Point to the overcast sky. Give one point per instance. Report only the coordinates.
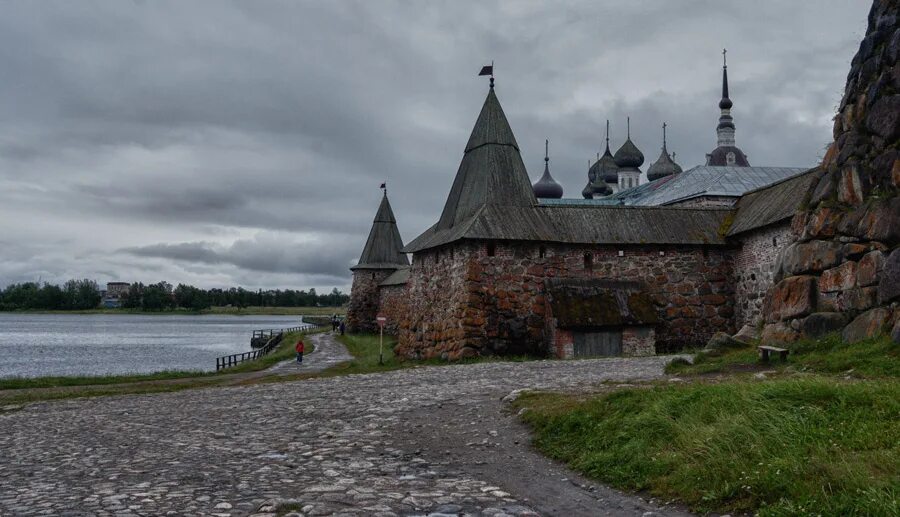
(242, 143)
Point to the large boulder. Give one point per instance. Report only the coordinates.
(722, 341)
(808, 257)
(838, 278)
(866, 325)
(793, 297)
(889, 281)
(881, 221)
(869, 267)
(819, 324)
(895, 333)
(747, 334)
(778, 334)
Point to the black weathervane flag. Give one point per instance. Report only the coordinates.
(487, 70)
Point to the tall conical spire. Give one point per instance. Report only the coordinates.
(726, 152)
(382, 250)
(547, 187)
(491, 171)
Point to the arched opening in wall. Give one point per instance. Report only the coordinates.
(542, 250)
(491, 249)
(589, 262)
(752, 276)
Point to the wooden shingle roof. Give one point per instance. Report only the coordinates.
(491, 170)
(384, 246)
(773, 203)
(579, 224)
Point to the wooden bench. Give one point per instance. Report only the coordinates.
(765, 350)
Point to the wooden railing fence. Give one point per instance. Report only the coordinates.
(270, 338)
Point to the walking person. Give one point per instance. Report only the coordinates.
(299, 347)
(342, 327)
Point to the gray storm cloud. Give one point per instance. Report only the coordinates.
(188, 134)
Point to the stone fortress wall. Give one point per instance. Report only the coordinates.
(754, 268)
(364, 299)
(496, 304)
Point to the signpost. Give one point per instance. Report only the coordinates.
(381, 321)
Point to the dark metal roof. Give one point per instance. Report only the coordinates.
(384, 245)
(491, 171)
(547, 187)
(719, 157)
(773, 203)
(399, 277)
(579, 223)
(629, 156)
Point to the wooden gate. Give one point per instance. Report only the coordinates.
(594, 344)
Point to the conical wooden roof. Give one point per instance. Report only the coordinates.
(384, 245)
(491, 171)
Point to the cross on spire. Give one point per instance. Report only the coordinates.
(724, 60)
(628, 122)
(607, 133)
(547, 150)
(664, 135)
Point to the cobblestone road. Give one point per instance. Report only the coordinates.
(351, 445)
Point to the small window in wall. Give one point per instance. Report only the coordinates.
(491, 249)
(774, 241)
(542, 251)
(752, 276)
(589, 262)
(373, 275)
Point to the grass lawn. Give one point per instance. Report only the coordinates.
(805, 446)
(819, 437)
(872, 358)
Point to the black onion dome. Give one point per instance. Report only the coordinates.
(628, 156)
(547, 187)
(593, 171)
(725, 103)
(588, 191)
(664, 166)
(600, 188)
(609, 171)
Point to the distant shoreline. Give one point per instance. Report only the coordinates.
(222, 311)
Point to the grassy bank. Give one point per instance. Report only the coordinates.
(802, 446)
(872, 358)
(364, 349)
(234, 311)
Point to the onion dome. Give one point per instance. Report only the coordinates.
(629, 156)
(664, 166)
(606, 165)
(547, 187)
(600, 188)
(588, 191)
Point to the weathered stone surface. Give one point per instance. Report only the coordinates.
(895, 333)
(822, 223)
(869, 268)
(889, 281)
(866, 325)
(881, 221)
(850, 186)
(839, 278)
(819, 324)
(854, 250)
(793, 297)
(884, 117)
(895, 170)
(722, 341)
(778, 334)
(812, 256)
(747, 334)
(826, 188)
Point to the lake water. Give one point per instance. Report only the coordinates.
(35, 345)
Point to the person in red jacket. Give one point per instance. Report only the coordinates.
(299, 348)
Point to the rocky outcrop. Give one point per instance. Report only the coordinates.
(843, 272)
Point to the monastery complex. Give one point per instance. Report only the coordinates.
(628, 268)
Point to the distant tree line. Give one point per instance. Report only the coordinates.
(85, 294)
(73, 295)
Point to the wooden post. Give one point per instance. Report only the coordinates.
(381, 345)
